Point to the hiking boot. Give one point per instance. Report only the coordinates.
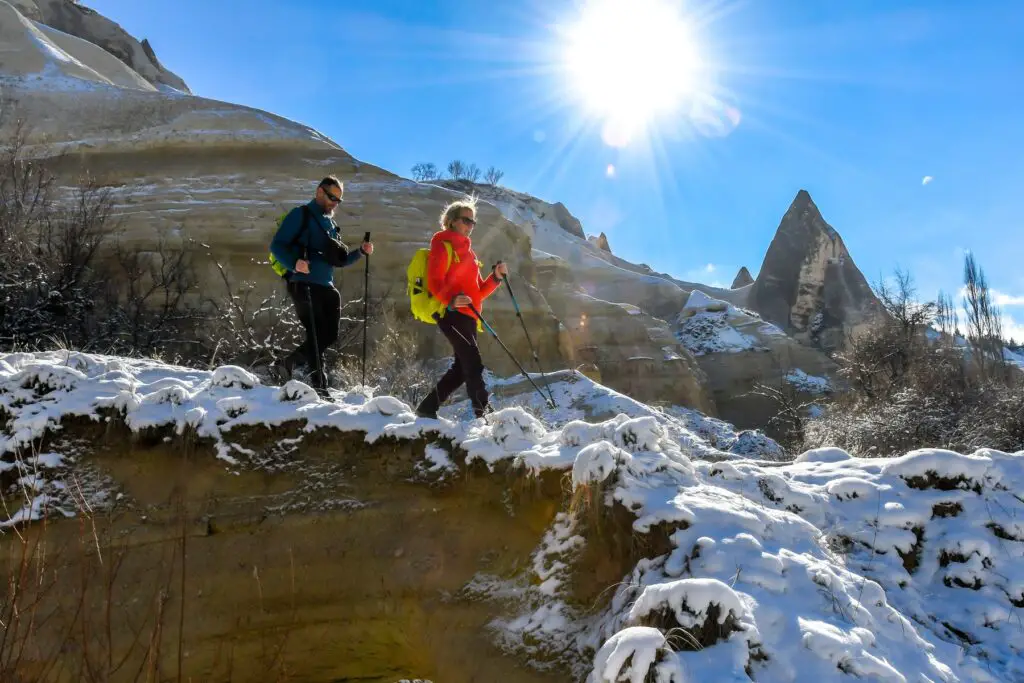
(286, 366)
(428, 406)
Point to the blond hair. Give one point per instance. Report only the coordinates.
(450, 212)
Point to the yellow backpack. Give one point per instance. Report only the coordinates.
(276, 265)
(422, 303)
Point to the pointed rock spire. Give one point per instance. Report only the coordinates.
(808, 283)
(601, 242)
(742, 279)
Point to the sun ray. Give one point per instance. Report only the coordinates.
(630, 63)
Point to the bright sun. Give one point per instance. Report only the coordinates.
(630, 62)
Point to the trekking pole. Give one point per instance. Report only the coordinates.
(494, 334)
(366, 301)
(533, 350)
(312, 329)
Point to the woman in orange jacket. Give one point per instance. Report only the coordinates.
(460, 287)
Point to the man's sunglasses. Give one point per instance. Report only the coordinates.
(467, 221)
(329, 195)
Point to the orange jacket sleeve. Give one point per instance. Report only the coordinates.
(487, 285)
(437, 273)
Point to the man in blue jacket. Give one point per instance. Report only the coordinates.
(307, 245)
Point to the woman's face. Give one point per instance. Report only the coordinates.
(464, 222)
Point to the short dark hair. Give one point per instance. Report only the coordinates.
(330, 181)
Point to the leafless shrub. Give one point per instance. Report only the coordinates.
(790, 416)
(242, 328)
(82, 600)
(392, 363)
(63, 600)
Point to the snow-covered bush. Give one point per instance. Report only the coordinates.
(635, 655)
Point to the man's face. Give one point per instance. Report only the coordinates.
(464, 222)
(328, 196)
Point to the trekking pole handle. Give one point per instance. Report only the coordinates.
(366, 237)
(494, 267)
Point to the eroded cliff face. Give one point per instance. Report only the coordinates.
(79, 21)
(809, 284)
(339, 566)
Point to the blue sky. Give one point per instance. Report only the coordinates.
(857, 102)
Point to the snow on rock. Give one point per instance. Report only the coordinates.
(699, 302)
(827, 454)
(294, 390)
(935, 468)
(707, 325)
(438, 462)
(849, 650)
(229, 376)
(825, 568)
(809, 383)
(754, 443)
(596, 462)
(630, 655)
(689, 600)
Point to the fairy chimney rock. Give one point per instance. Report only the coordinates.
(742, 279)
(808, 283)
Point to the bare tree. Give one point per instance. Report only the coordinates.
(900, 301)
(425, 171)
(910, 392)
(456, 170)
(877, 361)
(946, 317)
(472, 173)
(984, 324)
(493, 176)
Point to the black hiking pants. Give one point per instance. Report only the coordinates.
(468, 368)
(319, 308)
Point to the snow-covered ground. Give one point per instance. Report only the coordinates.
(825, 568)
